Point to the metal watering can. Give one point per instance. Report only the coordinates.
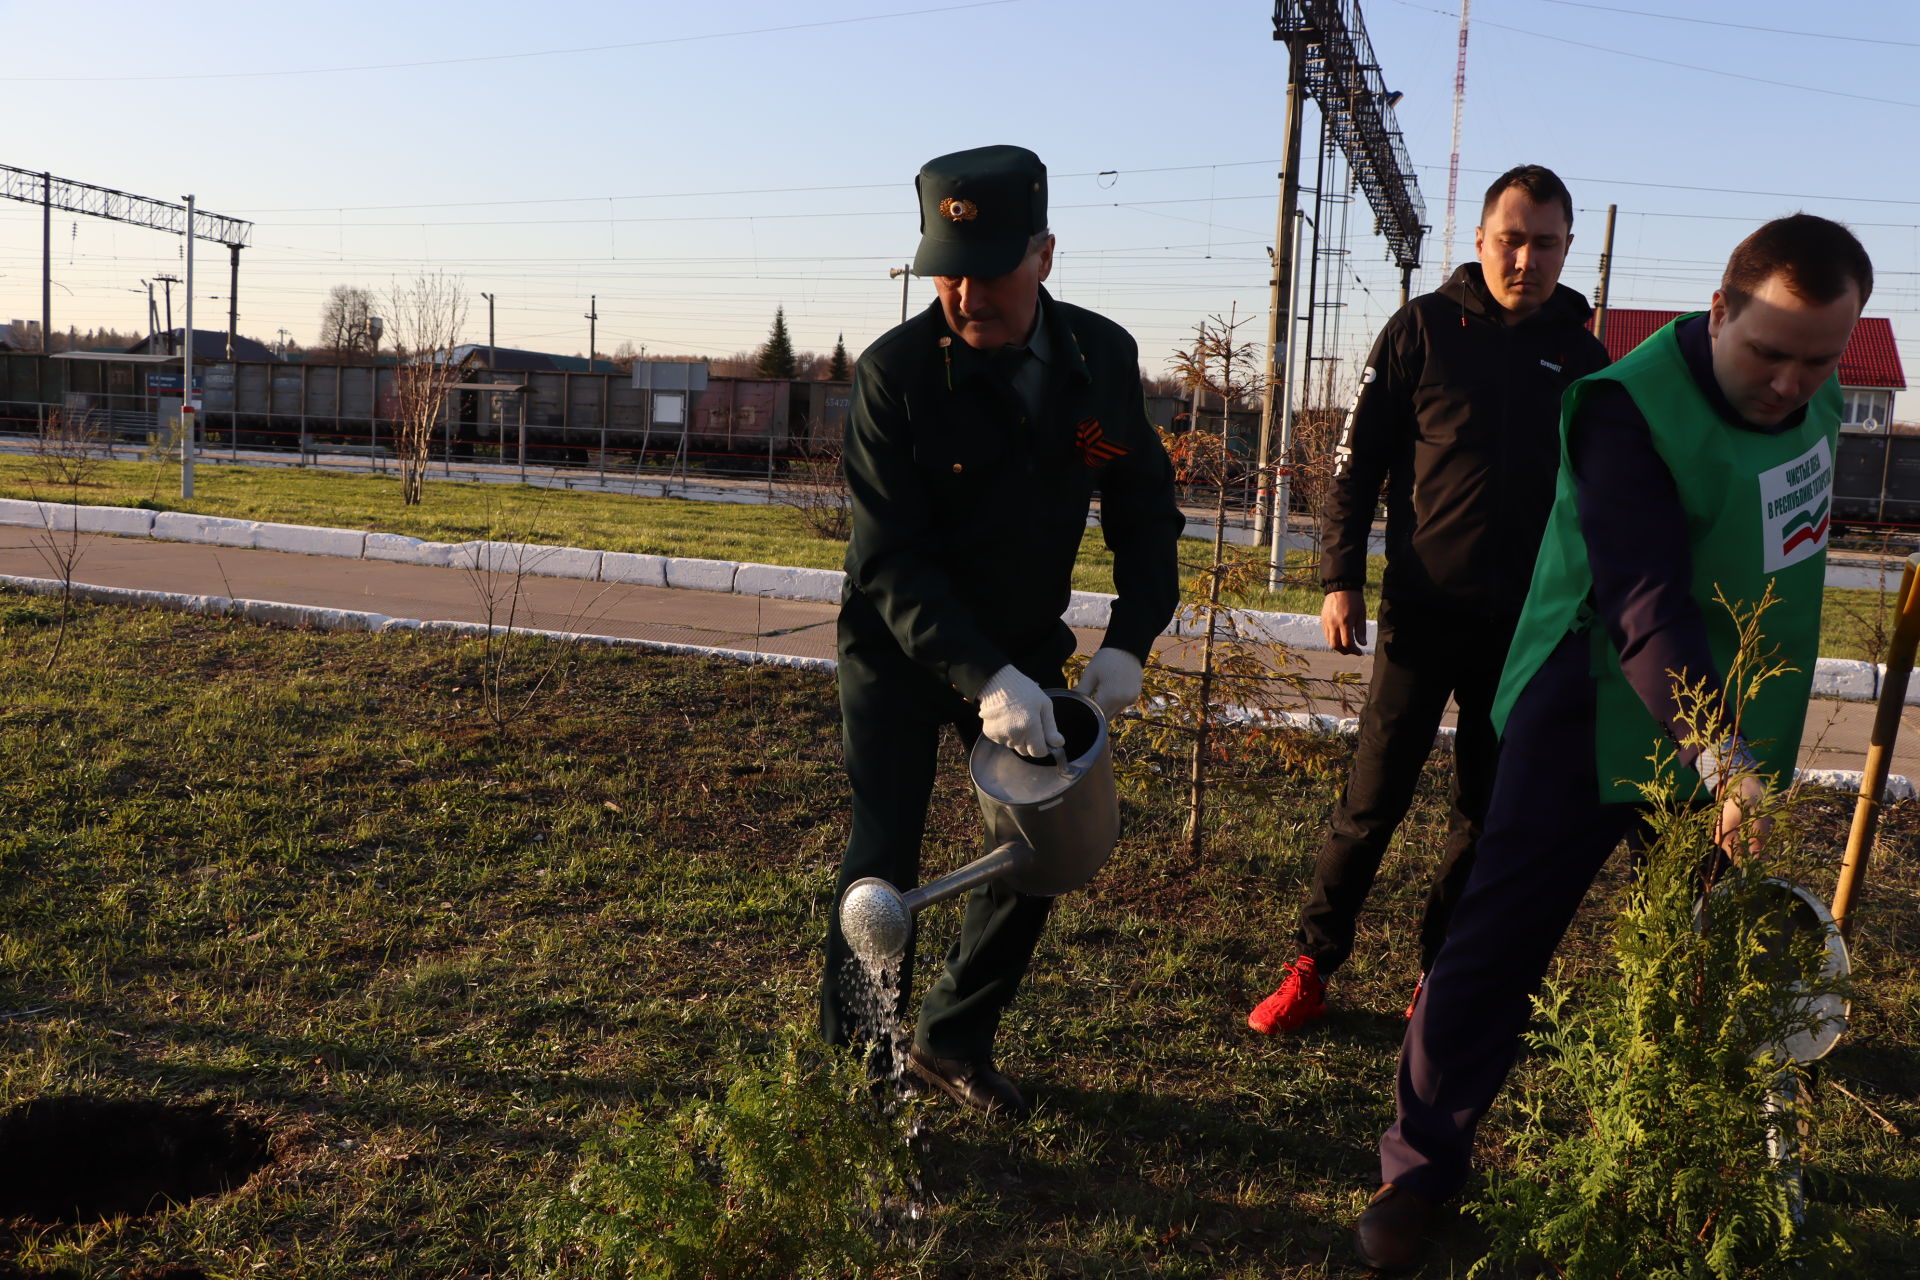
(1050, 825)
(1800, 913)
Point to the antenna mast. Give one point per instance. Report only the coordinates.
(1453, 162)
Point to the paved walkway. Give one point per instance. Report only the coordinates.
(1836, 735)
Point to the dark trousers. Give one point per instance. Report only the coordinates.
(1424, 655)
(892, 712)
(1547, 836)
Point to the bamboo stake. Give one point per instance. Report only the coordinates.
(1886, 727)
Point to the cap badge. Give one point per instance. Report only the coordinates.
(954, 210)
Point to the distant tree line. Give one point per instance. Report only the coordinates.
(24, 335)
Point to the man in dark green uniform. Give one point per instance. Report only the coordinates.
(979, 431)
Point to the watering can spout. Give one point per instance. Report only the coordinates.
(877, 918)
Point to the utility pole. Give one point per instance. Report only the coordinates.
(168, 282)
(233, 302)
(153, 316)
(1606, 279)
(1279, 309)
(46, 263)
(1193, 407)
(1282, 472)
(284, 335)
(489, 298)
(593, 324)
(906, 274)
(189, 411)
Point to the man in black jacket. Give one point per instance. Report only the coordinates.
(978, 433)
(1458, 417)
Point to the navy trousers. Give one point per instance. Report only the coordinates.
(1547, 836)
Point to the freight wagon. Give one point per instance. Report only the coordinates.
(582, 418)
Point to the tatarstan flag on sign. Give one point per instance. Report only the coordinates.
(1807, 526)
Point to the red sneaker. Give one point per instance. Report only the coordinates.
(1417, 988)
(1300, 998)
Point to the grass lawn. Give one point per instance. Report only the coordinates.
(301, 876)
(1854, 624)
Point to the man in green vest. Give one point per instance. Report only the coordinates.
(1699, 465)
(979, 431)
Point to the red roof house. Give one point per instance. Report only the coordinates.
(1870, 369)
(1871, 359)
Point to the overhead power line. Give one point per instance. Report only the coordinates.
(1736, 26)
(890, 185)
(1669, 62)
(1726, 191)
(505, 57)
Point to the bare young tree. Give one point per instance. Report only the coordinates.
(424, 318)
(68, 451)
(348, 326)
(1224, 713)
(816, 488)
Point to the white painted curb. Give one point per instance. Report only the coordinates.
(1090, 609)
(181, 526)
(701, 575)
(404, 550)
(22, 511)
(307, 540)
(634, 568)
(124, 521)
(779, 583)
(529, 558)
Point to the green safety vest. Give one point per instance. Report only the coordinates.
(1757, 512)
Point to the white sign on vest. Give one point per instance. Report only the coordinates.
(1796, 507)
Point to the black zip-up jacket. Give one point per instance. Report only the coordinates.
(967, 517)
(1459, 417)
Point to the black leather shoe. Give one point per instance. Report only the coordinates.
(972, 1084)
(1392, 1233)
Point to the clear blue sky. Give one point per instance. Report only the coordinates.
(739, 154)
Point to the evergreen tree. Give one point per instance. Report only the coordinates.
(1649, 1139)
(838, 371)
(776, 358)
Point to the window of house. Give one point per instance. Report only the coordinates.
(1866, 408)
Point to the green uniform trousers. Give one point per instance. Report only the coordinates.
(892, 711)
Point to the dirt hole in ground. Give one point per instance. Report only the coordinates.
(81, 1159)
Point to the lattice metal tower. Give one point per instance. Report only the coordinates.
(1331, 60)
(1453, 161)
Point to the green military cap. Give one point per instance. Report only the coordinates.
(978, 211)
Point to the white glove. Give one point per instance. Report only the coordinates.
(1015, 713)
(1112, 679)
